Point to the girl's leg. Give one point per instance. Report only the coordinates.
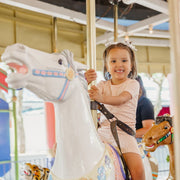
(135, 165)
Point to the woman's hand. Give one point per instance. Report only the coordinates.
(90, 75)
(95, 94)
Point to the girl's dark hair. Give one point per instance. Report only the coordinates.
(142, 90)
(133, 72)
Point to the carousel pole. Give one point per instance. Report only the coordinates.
(91, 43)
(15, 135)
(116, 22)
(174, 9)
(15, 117)
(54, 34)
(49, 107)
(115, 4)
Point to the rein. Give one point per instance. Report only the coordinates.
(166, 136)
(111, 116)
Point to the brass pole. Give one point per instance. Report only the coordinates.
(115, 22)
(91, 33)
(54, 34)
(91, 42)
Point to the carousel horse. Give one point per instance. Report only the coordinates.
(80, 154)
(34, 172)
(160, 134)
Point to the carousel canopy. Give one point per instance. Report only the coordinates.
(144, 23)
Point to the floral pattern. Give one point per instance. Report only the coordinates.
(101, 173)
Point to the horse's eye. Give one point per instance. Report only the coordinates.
(60, 61)
(165, 127)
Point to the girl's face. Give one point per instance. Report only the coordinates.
(118, 65)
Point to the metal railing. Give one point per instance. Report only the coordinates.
(40, 160)
(160, 155)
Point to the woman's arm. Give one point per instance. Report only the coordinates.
(147, 124)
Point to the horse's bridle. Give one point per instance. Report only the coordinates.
(68, 76)
(171, 130)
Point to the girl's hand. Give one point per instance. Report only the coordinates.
(95, 94)
(90, 75)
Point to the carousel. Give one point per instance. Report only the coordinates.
(56, 76)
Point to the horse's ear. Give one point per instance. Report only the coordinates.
(77, 67)
(81, 68)
(69, 57)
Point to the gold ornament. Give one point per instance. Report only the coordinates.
(70, 74)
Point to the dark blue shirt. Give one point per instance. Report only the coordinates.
(145, 111)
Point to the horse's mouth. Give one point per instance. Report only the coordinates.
(149, 147)
(27, 172)
(18, 67)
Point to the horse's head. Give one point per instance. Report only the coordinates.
(47, 75)
(35, 172)
(161, 133)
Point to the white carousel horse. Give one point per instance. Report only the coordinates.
(80, 154)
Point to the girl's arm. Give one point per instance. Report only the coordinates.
(90, 75)
(118, 100)
(95, 94)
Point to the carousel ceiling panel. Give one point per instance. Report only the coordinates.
(159, 54)
(143, 68)
(34, 37)
(6, 27)
(105, 9)
(35, 17)
(134, 19)
(144, 14)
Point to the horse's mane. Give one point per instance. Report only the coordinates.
(76, 66)
(160, 119)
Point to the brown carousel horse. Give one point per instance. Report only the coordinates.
(161, 134)
(34, 172)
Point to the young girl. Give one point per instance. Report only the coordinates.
(119, 93)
